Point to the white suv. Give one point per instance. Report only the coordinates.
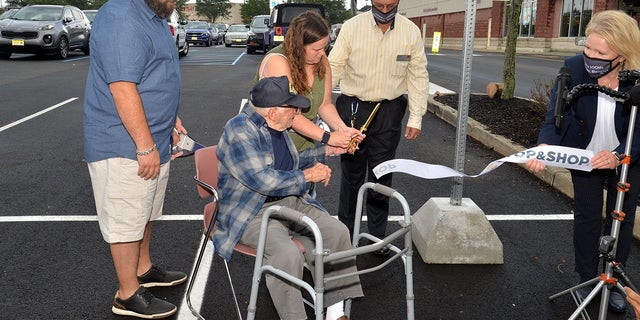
(179, 32)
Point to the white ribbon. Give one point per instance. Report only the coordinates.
(555, 156)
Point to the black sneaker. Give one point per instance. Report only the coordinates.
(157, 277)
(143, 304)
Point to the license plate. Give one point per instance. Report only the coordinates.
(194, 38)
(279, 38)
(17, 42)
(238, 40)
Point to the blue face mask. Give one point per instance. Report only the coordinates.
(382, 17)
(597, 68)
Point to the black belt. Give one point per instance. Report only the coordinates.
(372, 102)
(272, 199)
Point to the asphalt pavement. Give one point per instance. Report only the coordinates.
(59, 268)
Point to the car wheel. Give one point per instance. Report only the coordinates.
(5, 55)
(185, 50)
(86, 50)
(208, 42)
(63, 48)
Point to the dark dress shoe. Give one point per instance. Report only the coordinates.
(617, 302)
(583, 292)
(382, 252)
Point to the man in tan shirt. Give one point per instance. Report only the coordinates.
(378, 57)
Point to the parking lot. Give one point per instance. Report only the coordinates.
(55, 264)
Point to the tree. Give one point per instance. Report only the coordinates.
(252, 8)
(180, 4)
(213, 9)
(509, 70)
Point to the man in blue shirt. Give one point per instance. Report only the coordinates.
(259, 167)
(130, 123)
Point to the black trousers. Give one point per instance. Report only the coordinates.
(382, 139)
(587, 224)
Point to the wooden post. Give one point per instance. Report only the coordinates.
(494, 89)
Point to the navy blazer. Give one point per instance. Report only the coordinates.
(580, 117)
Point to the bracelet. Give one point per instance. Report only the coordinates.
(147, 152)
(325, 137)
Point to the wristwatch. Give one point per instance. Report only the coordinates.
(618, 156)
(325, 137)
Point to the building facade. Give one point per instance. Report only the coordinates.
(545, 25)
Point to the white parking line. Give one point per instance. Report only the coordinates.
(238, 58)
(199, 286)
(15, 123)
(197, 217)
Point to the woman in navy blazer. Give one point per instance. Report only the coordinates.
(598, 123)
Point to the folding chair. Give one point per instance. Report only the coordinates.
(206, 180)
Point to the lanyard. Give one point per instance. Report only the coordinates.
(354, 109)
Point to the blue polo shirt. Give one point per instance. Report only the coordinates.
(130, 43)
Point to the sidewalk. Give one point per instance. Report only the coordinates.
(558, 178)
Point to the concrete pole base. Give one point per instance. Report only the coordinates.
(447, 234)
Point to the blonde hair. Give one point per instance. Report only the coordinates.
(305, 29)
(621, 33)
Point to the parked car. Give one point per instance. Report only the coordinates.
(8, 14)
(335, 31)
(179, 33)
(45, 29)
(91, 14)
(282, 15)
(237, 34)
(257, 29)
(222, 30)
(199, 32)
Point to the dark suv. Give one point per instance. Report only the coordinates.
(281, 17)
(257, 30)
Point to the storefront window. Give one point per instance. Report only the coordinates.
(528, 18)
(575, 16)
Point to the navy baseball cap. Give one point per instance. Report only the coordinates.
(276, 92)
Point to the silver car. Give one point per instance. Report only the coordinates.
(237, 34)
(45, 29)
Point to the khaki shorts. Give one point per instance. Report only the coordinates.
(125, 203)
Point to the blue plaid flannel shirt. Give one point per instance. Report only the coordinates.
(246, 176)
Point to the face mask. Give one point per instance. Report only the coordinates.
(597, 68)
(382, 17)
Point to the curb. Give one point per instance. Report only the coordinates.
(558, 178)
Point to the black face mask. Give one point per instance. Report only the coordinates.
(382, 17)
(596, 68)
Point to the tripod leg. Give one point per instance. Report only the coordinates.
(587, 300)
(575, 288)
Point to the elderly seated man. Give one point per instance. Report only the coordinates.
(259, 167)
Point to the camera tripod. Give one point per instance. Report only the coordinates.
(608, 244)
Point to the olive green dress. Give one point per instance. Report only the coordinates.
(316, 96)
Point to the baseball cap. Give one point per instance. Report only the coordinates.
(275, 92)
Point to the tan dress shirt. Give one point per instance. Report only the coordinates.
(374, 66)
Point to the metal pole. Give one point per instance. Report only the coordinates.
(463, 102)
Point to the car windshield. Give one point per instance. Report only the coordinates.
(90, 15)
(197, 25)
(260, 22)
(39, 14)
(8, 14)
(220, 27)
(288, 13)
(238, 29)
